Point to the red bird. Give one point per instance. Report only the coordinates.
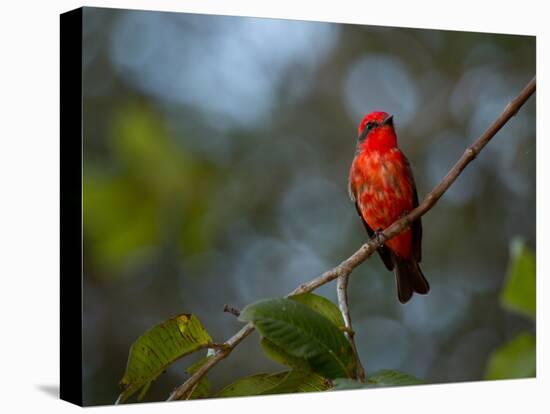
(381, 184)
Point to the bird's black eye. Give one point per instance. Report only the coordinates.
(370, 125)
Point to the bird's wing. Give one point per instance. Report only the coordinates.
(383, 251)
(417, 231)
(416, 226)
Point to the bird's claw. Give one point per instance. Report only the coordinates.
(379, 236)
(347, 330)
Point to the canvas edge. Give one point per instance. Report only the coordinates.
(71, 206)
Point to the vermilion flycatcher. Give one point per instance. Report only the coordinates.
(381, 184)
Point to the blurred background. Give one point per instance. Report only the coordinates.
(216, 155)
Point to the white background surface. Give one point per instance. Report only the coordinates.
(29, 207)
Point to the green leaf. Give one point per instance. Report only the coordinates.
(348, 384)
(144, 390)
(519, 292)
(279, 355)
(259, 384)
(303, 333)
(159, 347)
(278, 383)
(317, 303)
(515, 359)
(322, 305)
(388, 377)
(302, 381)
(383, 378)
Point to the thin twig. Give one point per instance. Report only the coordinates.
(230, 309)
(342, 291)
(181, 391)
(367, 249)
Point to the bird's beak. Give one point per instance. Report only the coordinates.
(388, 120)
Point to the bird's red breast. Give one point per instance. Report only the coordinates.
(381, 181)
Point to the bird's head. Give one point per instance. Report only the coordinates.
(376, 131)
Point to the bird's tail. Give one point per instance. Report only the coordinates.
(409, 278)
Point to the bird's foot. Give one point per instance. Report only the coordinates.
(379, 236)
(347, 330)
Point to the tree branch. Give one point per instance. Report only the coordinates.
(345, 268)
(342, 292)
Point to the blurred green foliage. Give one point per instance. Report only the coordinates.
(519, 292)
(517, 358)
(151, 178)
